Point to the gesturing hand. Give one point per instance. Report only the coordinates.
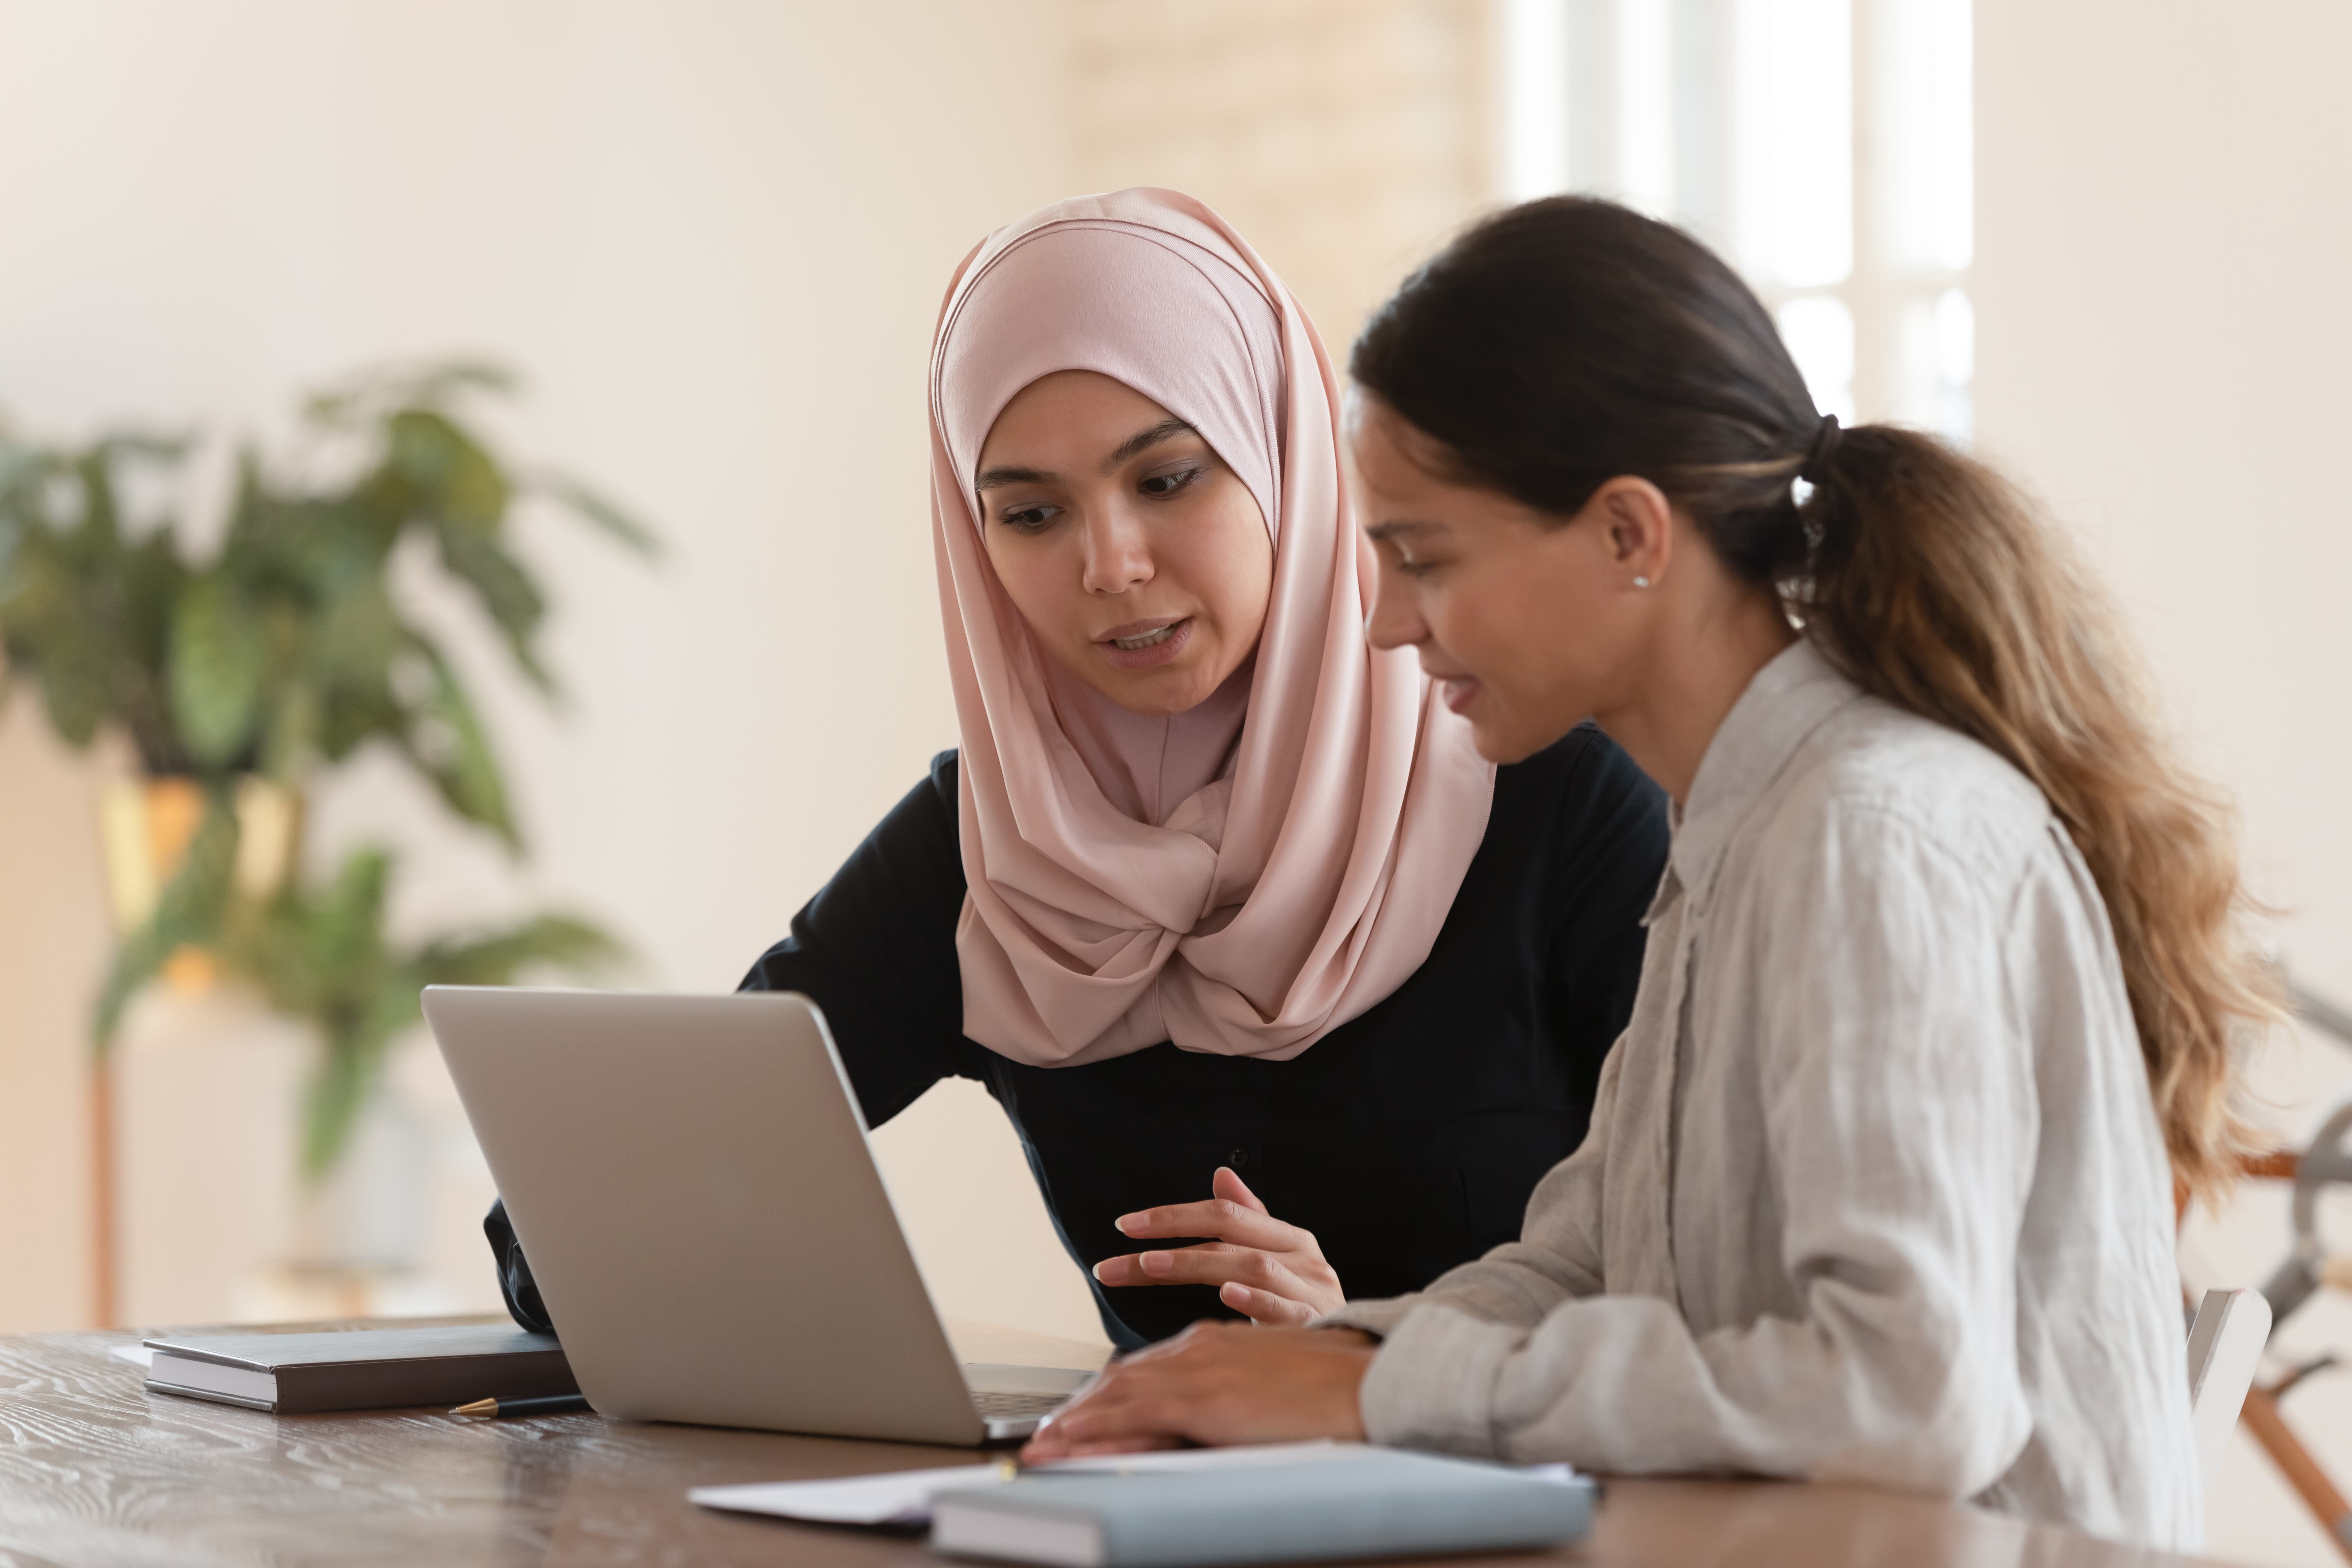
(1265, 1270)
(1216, 1383)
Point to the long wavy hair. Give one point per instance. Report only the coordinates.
(1564, 341)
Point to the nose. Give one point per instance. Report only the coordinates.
(1396, 620)
(1118, 551)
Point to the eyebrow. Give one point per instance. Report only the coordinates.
(1144, 440)
(1399, 529)
(1141, 441)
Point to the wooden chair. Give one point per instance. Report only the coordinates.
(2306, 1270)
(2327, 1160)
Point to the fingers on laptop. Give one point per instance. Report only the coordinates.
(1216, 1383)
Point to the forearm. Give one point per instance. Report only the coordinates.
(1620, 1385)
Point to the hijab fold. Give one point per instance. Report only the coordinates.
(1244, 876)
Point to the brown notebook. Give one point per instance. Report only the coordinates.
(361, 1369)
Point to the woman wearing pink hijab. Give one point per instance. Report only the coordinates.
(1220, 902)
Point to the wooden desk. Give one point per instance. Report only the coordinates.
(96, 1471)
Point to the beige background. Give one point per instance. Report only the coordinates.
(2164, 222)
(713, 236)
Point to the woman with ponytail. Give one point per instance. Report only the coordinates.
(1943, 984)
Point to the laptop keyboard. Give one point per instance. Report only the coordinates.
(1015, 1403)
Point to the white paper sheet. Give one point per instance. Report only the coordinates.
(899, 1497)
(137, 1355)
(903, 1498)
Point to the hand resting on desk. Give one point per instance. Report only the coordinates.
(1268, 1271)
(1217, 1384)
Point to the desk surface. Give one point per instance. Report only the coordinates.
(96, 1471)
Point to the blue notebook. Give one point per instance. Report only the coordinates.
(1360, 1502)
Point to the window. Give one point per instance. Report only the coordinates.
(1823, 146)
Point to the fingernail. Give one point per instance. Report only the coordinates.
(1157, 1263)
(1127, 1223)
(1100, 1270)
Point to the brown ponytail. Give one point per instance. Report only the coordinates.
(1565, 341)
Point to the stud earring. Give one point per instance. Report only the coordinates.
(1641, 582)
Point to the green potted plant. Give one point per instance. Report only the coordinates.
(238, 676)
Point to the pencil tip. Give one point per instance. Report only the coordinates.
(479, 1407)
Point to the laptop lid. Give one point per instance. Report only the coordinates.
(691, 1179)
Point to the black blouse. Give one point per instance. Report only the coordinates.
(1408, 1139)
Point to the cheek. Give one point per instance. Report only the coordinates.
(1226, 563)
(1514, 625)
(1041, 586)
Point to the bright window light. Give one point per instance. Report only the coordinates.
(1819, 330)
(1534, 98)
(1923, 84)
(1646, 129)
(1956, 364)
(1746, 121)
(1792, 149)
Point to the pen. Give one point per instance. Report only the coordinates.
(553, 1404)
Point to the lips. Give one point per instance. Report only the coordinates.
(1458, 690)
(1141, 645)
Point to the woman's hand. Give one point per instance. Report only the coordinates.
(1268, 1271)
(1217, 1384)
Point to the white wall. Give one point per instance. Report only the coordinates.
(2164, 193)
(713, 237)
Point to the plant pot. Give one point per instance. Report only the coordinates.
(145, 824)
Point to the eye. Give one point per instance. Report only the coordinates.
(1401, 564)
(1169, 481)
(1029, 519)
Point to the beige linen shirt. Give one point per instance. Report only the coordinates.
(1873, 1189)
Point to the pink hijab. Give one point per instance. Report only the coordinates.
(1247, 876)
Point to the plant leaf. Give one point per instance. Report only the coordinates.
(457, 483)
(338, 1091)
(454, 750)
(217, 659)
(507, 593)
(54, 634)
(357, 400)
(553, 941)
(595, 509)
(291, 730)
(356, 635)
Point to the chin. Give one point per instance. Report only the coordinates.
(1161, 699)
(1503, 741)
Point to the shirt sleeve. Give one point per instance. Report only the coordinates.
(1896, 1102)
(876, 951)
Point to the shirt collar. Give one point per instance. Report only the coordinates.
(1785, 702)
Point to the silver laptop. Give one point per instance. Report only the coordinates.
(690, 1180)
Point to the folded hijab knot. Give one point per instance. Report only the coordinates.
(1244, 876)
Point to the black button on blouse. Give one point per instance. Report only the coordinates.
(1408, 1139)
